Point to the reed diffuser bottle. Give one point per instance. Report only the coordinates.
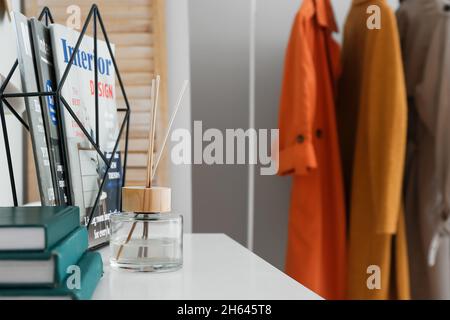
(146, 236)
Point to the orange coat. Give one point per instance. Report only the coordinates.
(372, 116)
(309, 152)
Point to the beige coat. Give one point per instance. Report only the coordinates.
(424, 28)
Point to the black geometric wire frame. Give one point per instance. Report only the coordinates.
(46, 15)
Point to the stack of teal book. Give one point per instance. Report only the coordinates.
(44, 255)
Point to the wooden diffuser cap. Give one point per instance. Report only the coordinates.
(146, 200)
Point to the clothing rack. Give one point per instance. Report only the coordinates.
(46, 16)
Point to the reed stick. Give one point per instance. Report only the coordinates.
(150, 141)
(169, 128)
(128, 240)
(153, 99)
(150, 170)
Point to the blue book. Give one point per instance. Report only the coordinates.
(36, 228)
(90, 271)
(44, 269)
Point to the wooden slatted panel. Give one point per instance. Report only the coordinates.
(137, 28)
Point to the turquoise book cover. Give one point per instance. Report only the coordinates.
(14, 265)
(79, 285)
(36, 228)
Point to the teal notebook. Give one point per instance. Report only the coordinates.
(90, 270)
(35, 228)
(47, 268)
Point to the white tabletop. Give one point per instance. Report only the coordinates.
(215, 267)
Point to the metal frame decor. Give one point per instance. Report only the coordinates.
(46, 16)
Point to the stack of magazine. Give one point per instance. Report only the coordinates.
(69, 169)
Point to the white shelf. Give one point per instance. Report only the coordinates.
(215, 267)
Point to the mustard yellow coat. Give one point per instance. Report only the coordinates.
(372, 117)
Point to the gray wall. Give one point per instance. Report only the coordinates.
(219, 73)
(219, 35)
(219, 39)
(272, 193)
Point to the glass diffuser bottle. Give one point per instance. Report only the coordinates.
(146, 236)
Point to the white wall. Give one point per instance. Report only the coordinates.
(177, 27)
(15, 131)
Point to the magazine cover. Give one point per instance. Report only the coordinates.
(47, 82)
(86, 167)
(113, 183)
(34, 111)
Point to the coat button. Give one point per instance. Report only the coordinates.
(300, 138)
(319, 133)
